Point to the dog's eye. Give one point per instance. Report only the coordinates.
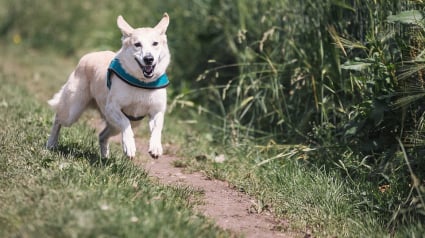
(138, 44)
(155, 43)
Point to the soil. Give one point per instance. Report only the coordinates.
(230, 209)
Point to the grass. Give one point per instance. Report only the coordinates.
(70, 192)
(315, 198)
(316, 92)
(310, 102)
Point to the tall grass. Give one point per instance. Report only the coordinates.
(342, 77)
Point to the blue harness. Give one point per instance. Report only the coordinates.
(116, 68)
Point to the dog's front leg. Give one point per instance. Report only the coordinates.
(156, 123)
(115, 116)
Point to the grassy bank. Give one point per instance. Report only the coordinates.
(332, 90)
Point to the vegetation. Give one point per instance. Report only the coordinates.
(317, 105)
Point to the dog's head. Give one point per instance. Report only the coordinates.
(144, 52)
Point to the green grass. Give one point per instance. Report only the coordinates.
(70, 192)
(314, 197)
(316, 105)
(332, 90)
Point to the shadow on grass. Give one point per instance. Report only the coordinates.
(78, 152)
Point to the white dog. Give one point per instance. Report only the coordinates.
(124, 86)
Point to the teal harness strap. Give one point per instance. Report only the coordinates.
(116, 68)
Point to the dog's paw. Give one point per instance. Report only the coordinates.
(51, 144)
(129, 146)
(155, 150)
(104, 150)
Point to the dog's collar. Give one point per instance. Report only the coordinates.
(116, 68)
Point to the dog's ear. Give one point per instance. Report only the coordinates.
(163, 24)
(125, 28)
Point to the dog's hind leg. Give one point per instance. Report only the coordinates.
(69, 103)
(52, 142)
(104, 139)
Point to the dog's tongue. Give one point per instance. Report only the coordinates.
(148, 68)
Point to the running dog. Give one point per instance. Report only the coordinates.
(124, 86)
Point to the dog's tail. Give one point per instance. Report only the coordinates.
(65, 94)
(55, 100)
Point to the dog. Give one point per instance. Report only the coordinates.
(124, 86)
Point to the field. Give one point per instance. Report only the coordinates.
(317, 108)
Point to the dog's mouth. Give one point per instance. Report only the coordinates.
(148, 70)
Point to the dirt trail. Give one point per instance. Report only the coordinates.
(229, 208)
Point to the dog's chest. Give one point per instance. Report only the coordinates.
(144, 103)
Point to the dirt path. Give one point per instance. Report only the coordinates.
(229, 208)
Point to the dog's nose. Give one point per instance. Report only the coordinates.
(148, 59)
